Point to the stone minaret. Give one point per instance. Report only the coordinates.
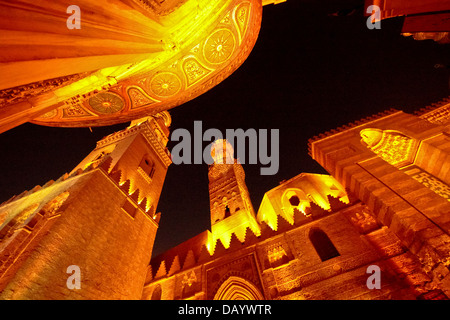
(231, 208)
(99, 219)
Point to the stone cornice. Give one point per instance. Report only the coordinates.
(148, 134)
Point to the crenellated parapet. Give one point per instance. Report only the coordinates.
(205, 248)
(116, 177)
(348, 126)
(437, 113)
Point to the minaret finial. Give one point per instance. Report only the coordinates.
(222, 152)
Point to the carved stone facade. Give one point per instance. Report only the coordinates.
(100, 217)
(22, 93)
(384, 205)
(284, 263)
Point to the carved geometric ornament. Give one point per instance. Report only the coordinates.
(106, 102)
(429, 181)
(295, 200)
(392, 146)
(219, 46)
(203, 55)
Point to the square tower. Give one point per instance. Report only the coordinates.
(230, 204)
(100, 218)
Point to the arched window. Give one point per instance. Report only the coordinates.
(295, 200)
(227, 212)
(323, 245)
(156, 295)
(147, 166)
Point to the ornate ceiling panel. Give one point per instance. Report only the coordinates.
(197, 66)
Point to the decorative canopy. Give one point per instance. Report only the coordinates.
(200, 51)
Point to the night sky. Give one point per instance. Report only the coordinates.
(315, 67)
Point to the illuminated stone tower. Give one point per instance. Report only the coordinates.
(100, 217)
(231, 208)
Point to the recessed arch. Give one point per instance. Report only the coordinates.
(295, 199)
(157, 293)
(237, 288)
(147, 166)
(322, 243)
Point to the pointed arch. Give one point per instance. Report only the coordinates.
(392, 146)
(323, 245)
(147, 167)
(237, 288)
(157, 293)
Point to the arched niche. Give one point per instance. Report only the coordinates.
(392, 146)
(323, 245)
(157, 293)
(237, 288)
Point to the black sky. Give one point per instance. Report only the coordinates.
(309, 72)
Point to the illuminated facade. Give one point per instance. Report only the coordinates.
(385, 204)
(100, 217)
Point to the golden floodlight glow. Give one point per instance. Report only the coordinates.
(197, 45)
(186, 26)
